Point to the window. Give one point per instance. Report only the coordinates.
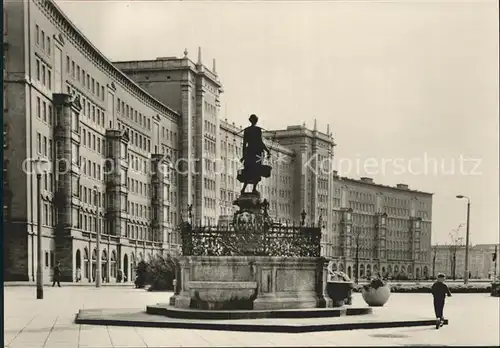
(67, 64)
(43, 40)
(37, 70)
(44, 112)
(49, 48)
(37, 34)
(39, 143)
(38, 107)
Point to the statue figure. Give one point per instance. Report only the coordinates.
(253, 149)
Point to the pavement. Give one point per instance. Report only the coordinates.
(49, 323)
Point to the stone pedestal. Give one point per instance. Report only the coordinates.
(249, 282)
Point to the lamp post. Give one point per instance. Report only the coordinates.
(98, 278)
(466, 268)
(357, 232)
(39, 166)
(434, 261)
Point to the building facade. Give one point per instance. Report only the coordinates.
(450, 260)
(133, 144)
(388, 228)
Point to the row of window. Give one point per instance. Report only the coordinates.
(83, 77)
(209, 184)
(44, 111)
(209, 203)
(169, 135)
(139, 210)
(210, 145)
(137, 139)
(43, 73)
(43, 41)
(210, 128)
(43, 145)
(91, 169)
(92, 140)
(90, 110)
(127, 111)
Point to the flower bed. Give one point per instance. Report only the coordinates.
(426, 288)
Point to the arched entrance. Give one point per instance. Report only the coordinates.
(409, 271)
(86, 264)
(126, 267)
(334, 267)
(104, 265)
(141, 258)
(341, 267)
(349, 272)
(426, 272)
(417, 273)
(396, 270)
(368, 271)
(94, 263)
(113, 264)
(78, 265)
(361, 271)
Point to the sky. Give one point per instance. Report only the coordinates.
(410, 89)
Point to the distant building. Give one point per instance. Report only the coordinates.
(394, 227)
(450, 260)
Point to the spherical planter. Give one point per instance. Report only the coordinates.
(376, 297)
(339, 292)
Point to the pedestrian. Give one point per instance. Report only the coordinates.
(57, 275)
(439, 291)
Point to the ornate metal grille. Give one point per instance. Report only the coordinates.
(286, 241)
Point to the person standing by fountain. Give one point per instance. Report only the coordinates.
(253, 149)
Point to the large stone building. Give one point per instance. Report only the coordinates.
(450, 260)
(390, 226)
(132, 144)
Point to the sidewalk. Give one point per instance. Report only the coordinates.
(49, 323)
(65, 284)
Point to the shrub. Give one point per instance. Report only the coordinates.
(495, 289)
(426, 288)
(162, 274)
(375, 283)
(141, 274)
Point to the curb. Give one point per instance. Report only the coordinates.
(290, 328)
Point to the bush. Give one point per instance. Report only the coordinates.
(426, 288)
(141, 274)
(162, 274)
(495, 289)
(159, 274)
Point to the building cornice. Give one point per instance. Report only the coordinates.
(75, 36)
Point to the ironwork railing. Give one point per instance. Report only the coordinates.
(285, 240)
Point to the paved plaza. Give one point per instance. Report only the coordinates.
(474, 320)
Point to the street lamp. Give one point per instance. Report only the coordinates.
(98, 244)
(466, 268)
(40, 167)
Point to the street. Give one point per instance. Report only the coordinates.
(474, 320)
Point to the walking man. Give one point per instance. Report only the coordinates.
(439, 291)
(57, 275)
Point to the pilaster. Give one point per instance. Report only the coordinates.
(67, 110)
(116, 173)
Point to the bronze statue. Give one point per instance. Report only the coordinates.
(253, 149)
